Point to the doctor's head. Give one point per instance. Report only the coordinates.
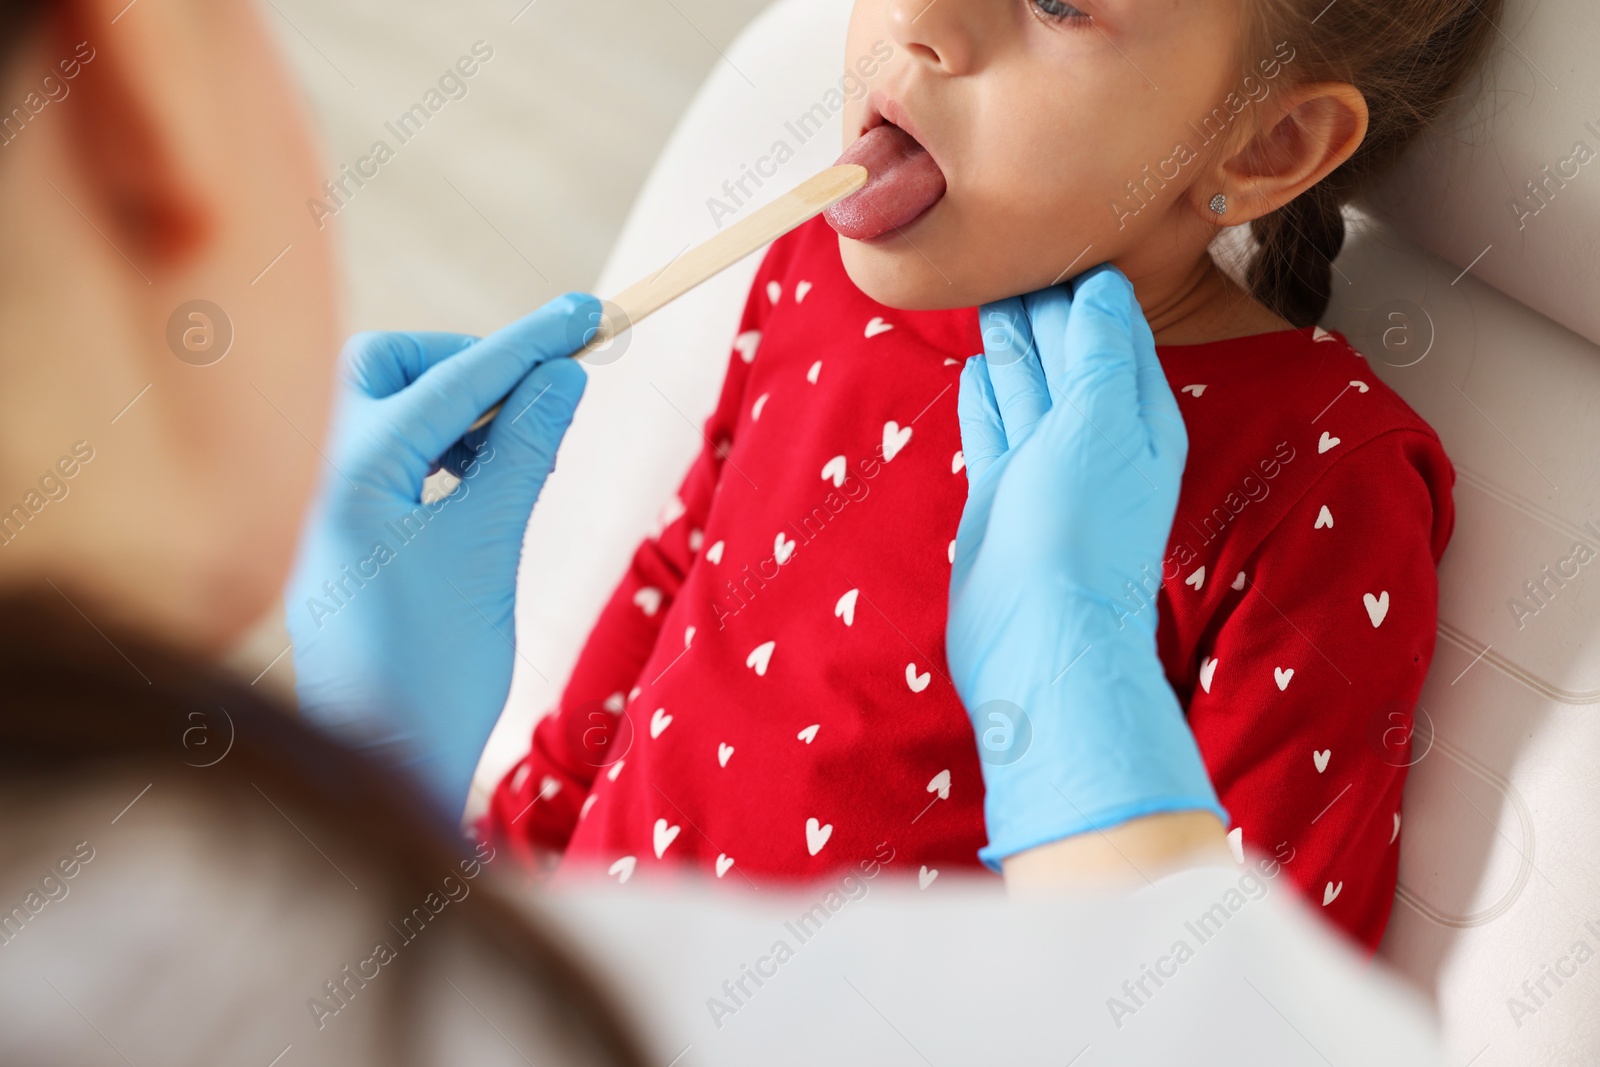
(167, 310)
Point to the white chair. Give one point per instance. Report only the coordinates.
(1502, 814)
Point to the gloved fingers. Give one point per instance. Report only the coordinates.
(524, 437)
(463, 452)
(1048, 311)
(983, 438)
(1157, 405)
(437, 409)
(1015, 374)
(1100, 381)
(382, 364)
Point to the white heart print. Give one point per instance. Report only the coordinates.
(760, 657)
(1324, 519)
(755, 409)
(800, 291)
(877, 326)
(614, 703)
(895, 437)
(1325, 442)
(1208, 670)
(664, 836)
(548, 787)
(725, 861)
(714, 553)
(724, 751)
(588, 802)
(1197, 579)
(1331, 892)
(659, 720)
(1282, 675)
(817, 835)
(782, 548)
(816, 369)
(1193, 390)
(623, 868)
(917, 682)
(925, 876)
(834, 470)
(1377, 607)
(809, 734)
(648, 600)
(1321, 759)
(958, 461)
(747, 343)
(1238, 582)
(774, 291)
(941, 784)
(1236, 843)
(845, 608)
(616, 768)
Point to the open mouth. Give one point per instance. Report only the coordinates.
(903, 181)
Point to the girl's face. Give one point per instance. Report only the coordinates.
(1068, 136)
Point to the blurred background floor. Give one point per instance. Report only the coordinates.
(510, 194)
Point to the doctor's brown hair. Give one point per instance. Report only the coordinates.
(1410, 59)
(84, 704)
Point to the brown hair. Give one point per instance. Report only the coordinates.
(1410, 60)
(83, 703)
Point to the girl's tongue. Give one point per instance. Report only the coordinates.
(903, 181)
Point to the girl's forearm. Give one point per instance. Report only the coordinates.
(1137, 851)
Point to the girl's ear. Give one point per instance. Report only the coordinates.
(1303, 135)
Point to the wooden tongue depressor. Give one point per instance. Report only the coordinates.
(805, 201)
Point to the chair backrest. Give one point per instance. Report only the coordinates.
(1502, 816)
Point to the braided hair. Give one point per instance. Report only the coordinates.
(1410, 60)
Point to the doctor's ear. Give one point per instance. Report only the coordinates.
(135, 118)
(1300, 137)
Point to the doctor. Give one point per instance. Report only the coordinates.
(170, 322)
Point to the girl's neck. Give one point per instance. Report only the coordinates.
(1201, 304)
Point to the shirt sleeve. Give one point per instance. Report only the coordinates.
(538, 802)
(1305, 705)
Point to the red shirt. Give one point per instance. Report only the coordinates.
(766, 695)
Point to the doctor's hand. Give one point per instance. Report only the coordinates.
(1075, 451)
(401, 612)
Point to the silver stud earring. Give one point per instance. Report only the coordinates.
(1219, 203)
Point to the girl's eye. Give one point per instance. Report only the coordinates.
(1056, 11)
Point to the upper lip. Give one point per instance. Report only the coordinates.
(882, 108)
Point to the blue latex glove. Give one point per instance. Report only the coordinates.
(401, 612)
(1074, 449)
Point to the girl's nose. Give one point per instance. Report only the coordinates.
(939, 33)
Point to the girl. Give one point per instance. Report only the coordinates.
(765, 695)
